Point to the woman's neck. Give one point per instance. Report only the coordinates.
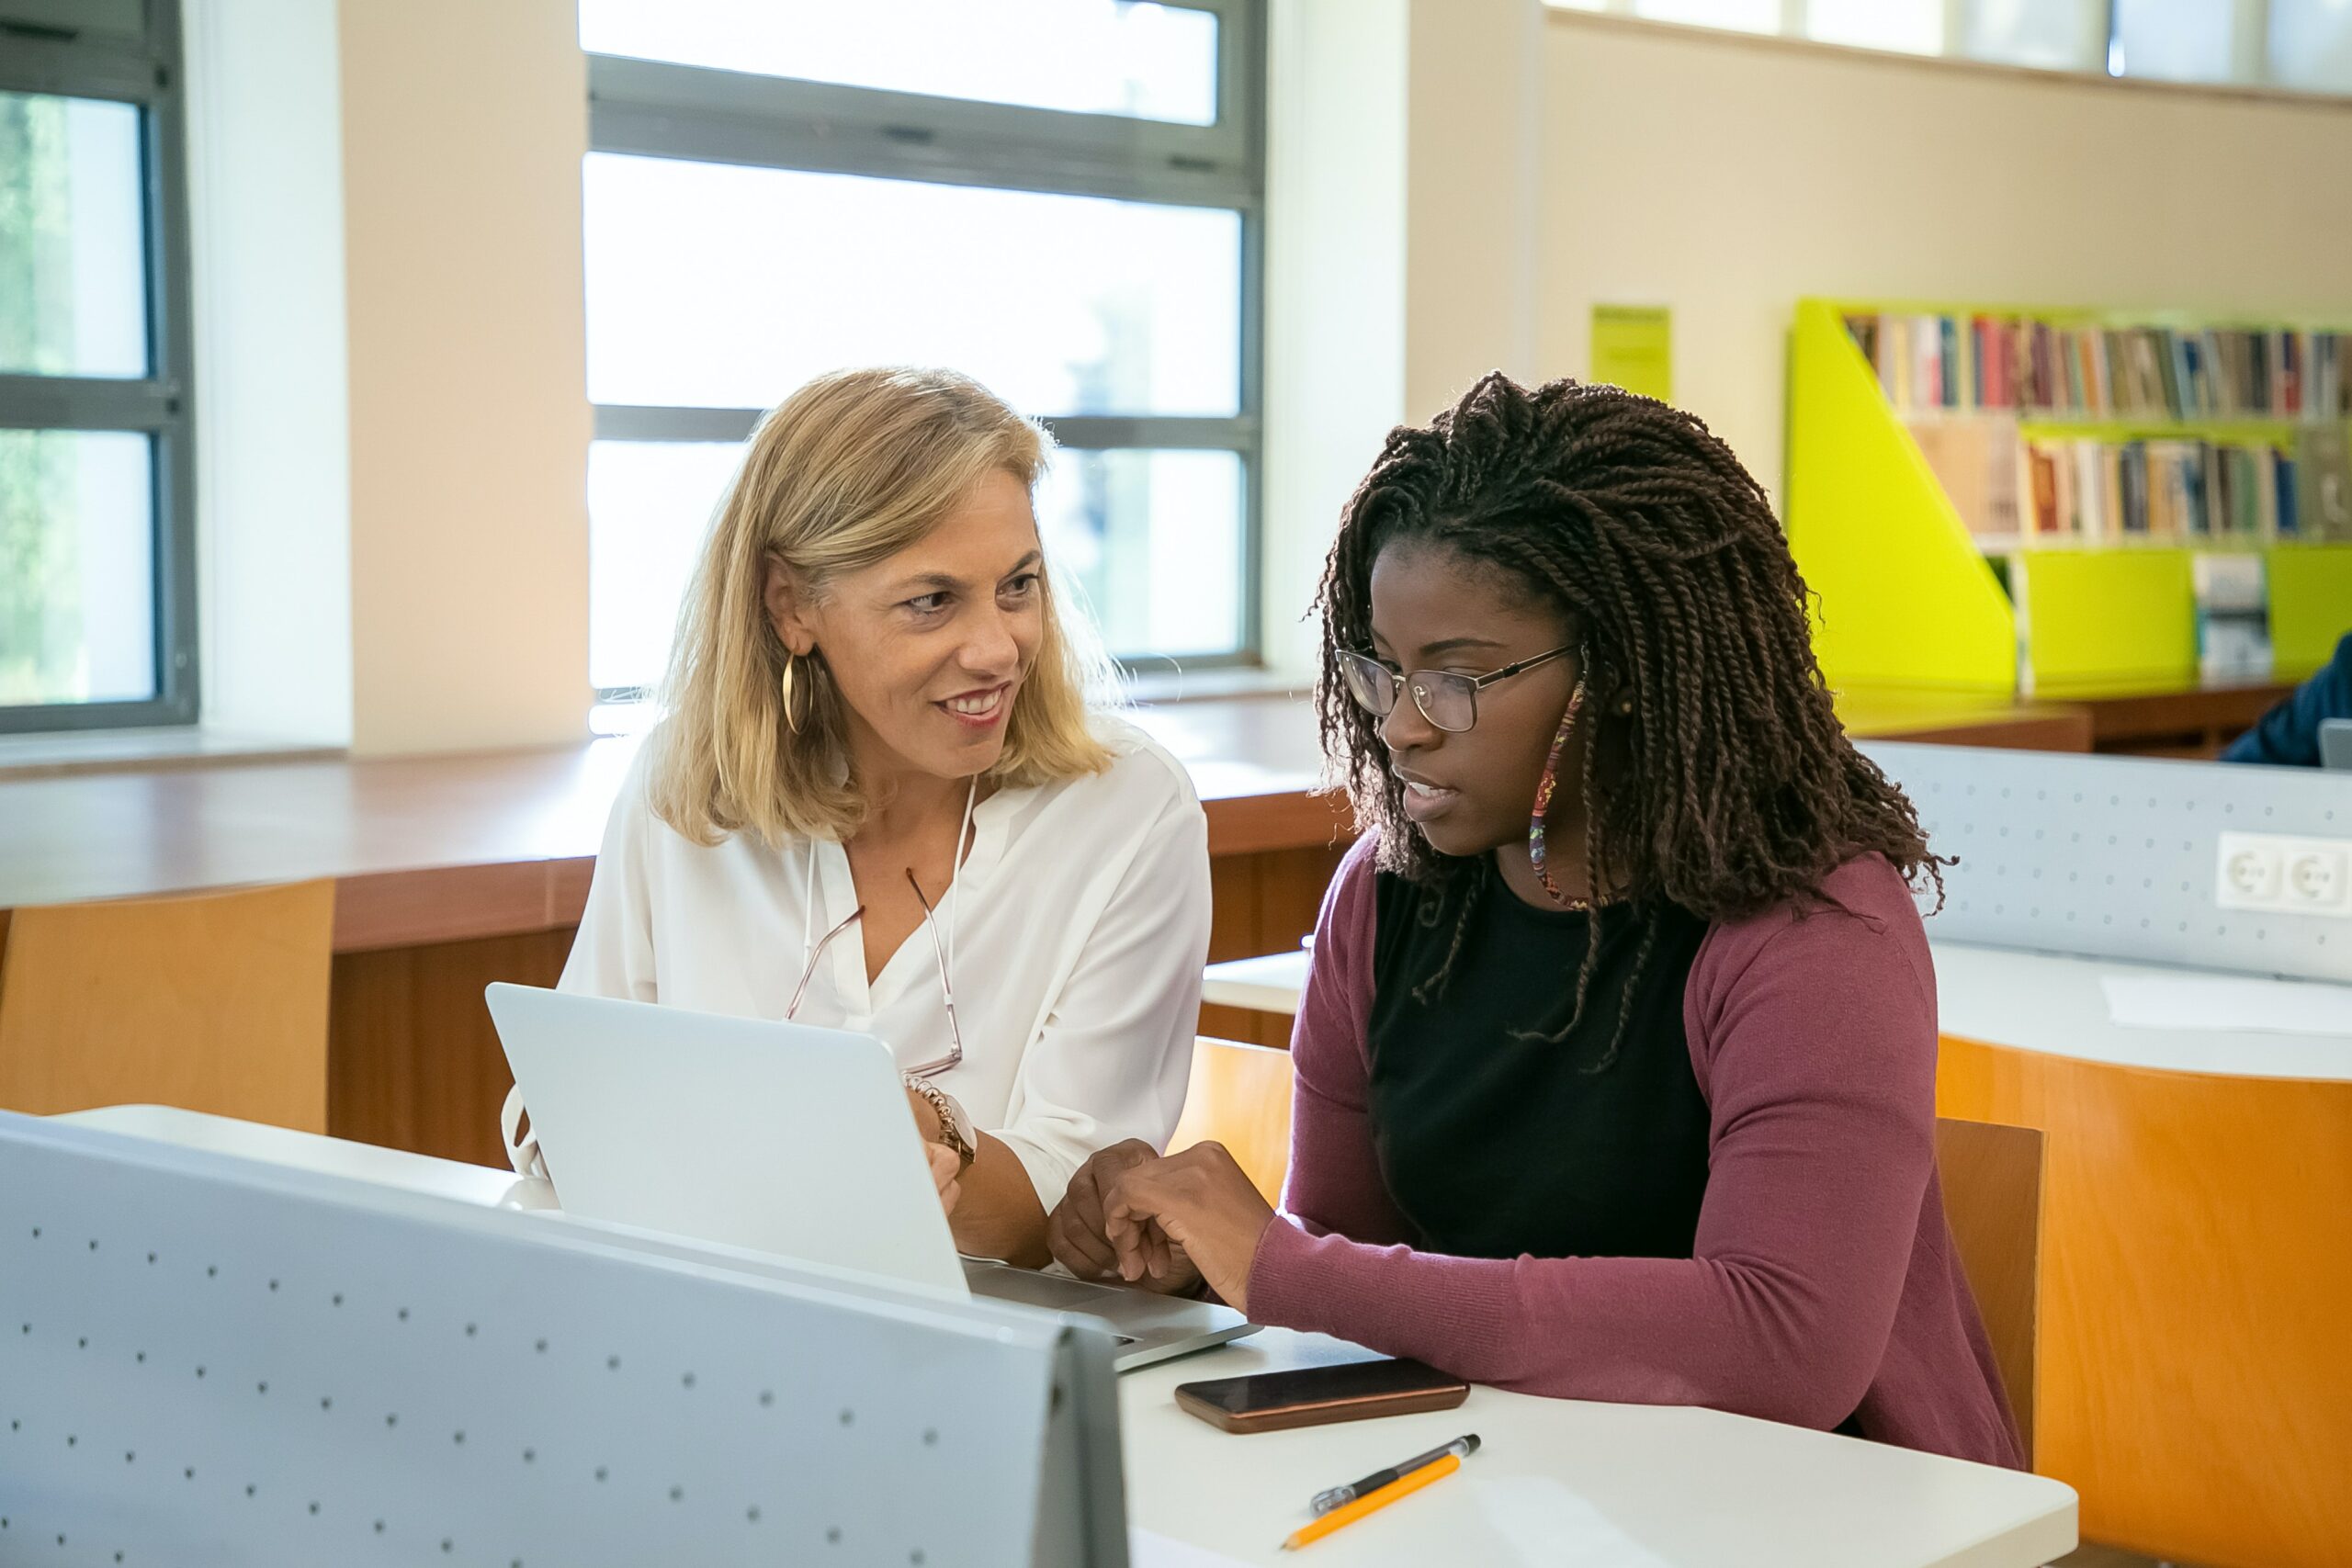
(910, 805)
(1564, 857)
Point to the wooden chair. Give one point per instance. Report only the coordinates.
(1991, 1177)
(1240, 1096)
(215, 1003)
(2195, 1374)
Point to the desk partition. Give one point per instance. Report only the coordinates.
(2117, 857)
(208, 1361)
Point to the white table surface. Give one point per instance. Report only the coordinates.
(1558, 1481)
(2032, 1001)
(1271, 984)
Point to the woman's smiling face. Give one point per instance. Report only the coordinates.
(929, 647)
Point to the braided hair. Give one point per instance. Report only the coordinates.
(1730, 788)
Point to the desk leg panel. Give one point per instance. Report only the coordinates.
(1262, 902)
(412, 1061)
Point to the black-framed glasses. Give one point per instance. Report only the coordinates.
(1447, 700)
(954, 1057)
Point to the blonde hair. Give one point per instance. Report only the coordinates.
(850, 469)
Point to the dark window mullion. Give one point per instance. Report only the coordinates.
(171, 347)
(87, 402)
(871, 152)
(1162, 432)
(70, 67)
(147, 75)
(1083, 432)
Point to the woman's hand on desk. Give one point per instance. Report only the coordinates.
(1074, 1233)
(1198, 1202)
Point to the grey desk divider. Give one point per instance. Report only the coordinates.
(2116, 857)
(208, 1361)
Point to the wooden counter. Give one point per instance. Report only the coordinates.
(446, 848)
(2168, 721)
(453, 872)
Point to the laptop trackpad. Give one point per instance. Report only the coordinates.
(1000, 1281)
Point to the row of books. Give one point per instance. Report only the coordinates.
(1966, 363)
(2101, 492)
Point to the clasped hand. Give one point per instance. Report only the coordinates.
(1164, 1224)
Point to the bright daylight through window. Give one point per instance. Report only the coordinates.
(1060, 197)
(96, 554)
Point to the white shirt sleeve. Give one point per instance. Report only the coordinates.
(613, 953)
(1114, 1053)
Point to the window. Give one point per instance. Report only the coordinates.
(97, 625)
(1061, 197)
(2310, 44)
(2173, 40)
(2301, 45)
(2052, 35)
(1740, 16)
(1914, 27)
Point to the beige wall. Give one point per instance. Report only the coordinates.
(463, 128)
(1728, 178)
(1403, 203)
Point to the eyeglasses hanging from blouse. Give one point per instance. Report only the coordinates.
(943, 949)
(946, 980)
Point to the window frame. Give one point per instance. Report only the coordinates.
(657, 109)
(146, 72)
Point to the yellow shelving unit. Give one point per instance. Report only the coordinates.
(1908, 596)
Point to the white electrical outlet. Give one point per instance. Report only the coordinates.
(2283, 875)
(2314, 878)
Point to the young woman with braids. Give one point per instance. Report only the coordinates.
(1615, 1069)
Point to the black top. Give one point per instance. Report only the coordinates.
(1495, 1140)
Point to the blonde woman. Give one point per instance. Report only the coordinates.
(882, 801)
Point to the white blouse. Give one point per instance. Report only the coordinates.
(1080, 925)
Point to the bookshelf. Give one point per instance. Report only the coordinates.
(1942, 559)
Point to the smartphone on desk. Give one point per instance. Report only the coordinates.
(1313, 1397)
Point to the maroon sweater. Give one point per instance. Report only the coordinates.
(1824, 1281)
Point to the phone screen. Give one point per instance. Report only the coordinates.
(1320, 1385)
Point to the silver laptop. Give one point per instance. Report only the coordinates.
(2335, 744)
(780, 1138)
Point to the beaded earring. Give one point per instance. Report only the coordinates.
(1544, 792)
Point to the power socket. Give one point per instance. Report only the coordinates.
(2282, 875)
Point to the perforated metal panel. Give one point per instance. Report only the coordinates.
(204, 1360)
(2115, 857)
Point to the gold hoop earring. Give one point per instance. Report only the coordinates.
(791, 715)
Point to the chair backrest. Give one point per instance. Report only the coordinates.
(1240, 1096)
(1992, 1181)
(216, 1002)
(2194, 1385)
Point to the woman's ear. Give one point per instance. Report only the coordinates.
(783, 595)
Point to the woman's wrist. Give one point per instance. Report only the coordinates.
(951, 1126)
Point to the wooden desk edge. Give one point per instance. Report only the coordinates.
(460, 903)
(2054, 728)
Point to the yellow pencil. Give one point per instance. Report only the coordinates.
(1372, 1502)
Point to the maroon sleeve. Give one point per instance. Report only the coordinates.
(1334, 1185)
(1814, 1039)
